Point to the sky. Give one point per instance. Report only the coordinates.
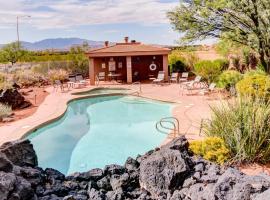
(100, 20)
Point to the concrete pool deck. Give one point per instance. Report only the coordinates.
(189, 110)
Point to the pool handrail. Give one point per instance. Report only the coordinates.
(171, 120)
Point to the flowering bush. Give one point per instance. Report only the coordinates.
(254, 84)
(212, 149)
(244, 126)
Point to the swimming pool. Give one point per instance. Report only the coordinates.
(103, 91)
(98, 131)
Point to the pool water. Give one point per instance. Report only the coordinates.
(98, 131)
(103, 91)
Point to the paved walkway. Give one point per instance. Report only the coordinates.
(189, 110)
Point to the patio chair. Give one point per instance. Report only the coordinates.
(80, 80)
(208, 90)
(184, 77)
(160, 78)
(101, 76)
(190, 85)
(58, 84)
(174, 77)
(72, 82)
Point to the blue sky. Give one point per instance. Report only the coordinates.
(143, 20)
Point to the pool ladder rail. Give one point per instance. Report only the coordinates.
(170, 124)
(137, 92)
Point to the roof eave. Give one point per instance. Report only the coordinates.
(135, 53)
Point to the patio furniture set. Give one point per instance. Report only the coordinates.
(74, 81)
(185, 84)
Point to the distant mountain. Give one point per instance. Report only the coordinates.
(58, 44)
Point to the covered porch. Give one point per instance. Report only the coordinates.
(127, 62)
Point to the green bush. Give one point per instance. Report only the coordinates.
(177, 62)
(209, 70)
(244, 125)
(223, 63)
(229, 78)
(5, 111)
(254, 84)
(212, 149)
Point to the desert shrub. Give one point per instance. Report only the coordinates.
(5, 85)
(244, 125)
(209, 70)
(40, 69)
(254, 84)
(60, 75)
(27, 78)
(177, 62)
(229, 78)
(2, 77)
(5, 111)
(191, 59)
(212, 149)
(222, 63)
(254, 72)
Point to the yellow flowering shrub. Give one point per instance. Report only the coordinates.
(257, 85)
(212, 149)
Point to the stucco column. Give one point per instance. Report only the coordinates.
(129, 69)
(92, 71)
(165, 67)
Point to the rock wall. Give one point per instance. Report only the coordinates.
(169, 173)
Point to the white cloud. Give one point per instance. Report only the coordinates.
(70, 13)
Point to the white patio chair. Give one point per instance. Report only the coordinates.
(101, 76)
(184, 77)
(174, 77)
(160, 78)
(208, 90)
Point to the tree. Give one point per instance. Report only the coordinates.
(79, 60)
(12, 53)
(245, 22)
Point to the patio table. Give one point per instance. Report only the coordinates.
(114, 76)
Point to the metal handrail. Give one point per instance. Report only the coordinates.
(97, 80)
(138, 83)
(171, 120)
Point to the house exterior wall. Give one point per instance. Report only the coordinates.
(139, 64)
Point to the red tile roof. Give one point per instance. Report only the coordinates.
(128, 48)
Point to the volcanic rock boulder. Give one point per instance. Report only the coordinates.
(166, 173)
(20, 153)
(166, 169)
(13, 98)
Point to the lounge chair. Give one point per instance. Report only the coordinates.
(184, 77)
(174, 77)
(160, 78)
(190, 85)
(208, 90)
